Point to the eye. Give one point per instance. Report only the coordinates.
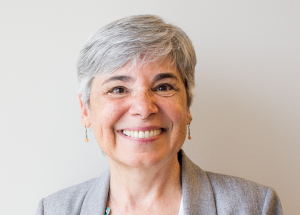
(118, 90)
(164, 87)
(165, 90)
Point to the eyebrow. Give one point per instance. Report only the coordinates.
(161, 76)
(124, 78)
(118, 78)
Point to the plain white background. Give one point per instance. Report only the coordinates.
(246, 111)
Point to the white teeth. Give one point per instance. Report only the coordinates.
(142, 134)
(136, 134)
(151, 133)
(147, 134)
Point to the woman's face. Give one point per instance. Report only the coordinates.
(139, 115)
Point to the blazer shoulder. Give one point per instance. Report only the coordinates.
(238, 194)
(226, 182)
(75, 190)
(69, 200)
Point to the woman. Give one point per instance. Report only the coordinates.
(136, 78)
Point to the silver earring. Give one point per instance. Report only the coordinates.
(189, 130)
(86, 137)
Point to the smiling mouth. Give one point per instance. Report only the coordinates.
(143, 134)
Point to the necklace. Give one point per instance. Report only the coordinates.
(107, 211)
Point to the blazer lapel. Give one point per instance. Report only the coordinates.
(96, 198)
(198, 196)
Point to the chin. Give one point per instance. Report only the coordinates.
(146, 159)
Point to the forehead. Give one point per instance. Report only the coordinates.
(148, 70)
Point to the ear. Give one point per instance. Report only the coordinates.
(189, 117)
(85, 121)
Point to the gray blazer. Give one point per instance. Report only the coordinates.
(203, 193)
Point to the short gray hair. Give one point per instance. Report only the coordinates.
(143, 38)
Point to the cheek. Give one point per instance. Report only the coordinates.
(176, 109)
(104, 116)
(176, 112)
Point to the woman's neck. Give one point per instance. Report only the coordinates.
(134, 188)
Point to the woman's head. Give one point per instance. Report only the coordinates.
(135, 40)
(136, 77)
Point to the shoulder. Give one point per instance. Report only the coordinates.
(225, 194)
(73, 192)
(238, 194)
(226, 184)
(70, 199)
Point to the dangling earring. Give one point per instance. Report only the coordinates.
(86, 137)
(189, 130)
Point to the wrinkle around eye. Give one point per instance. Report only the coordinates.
(166, 93)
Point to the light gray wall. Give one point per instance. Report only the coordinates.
(246, 110)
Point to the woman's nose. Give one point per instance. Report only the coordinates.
(143, 105)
